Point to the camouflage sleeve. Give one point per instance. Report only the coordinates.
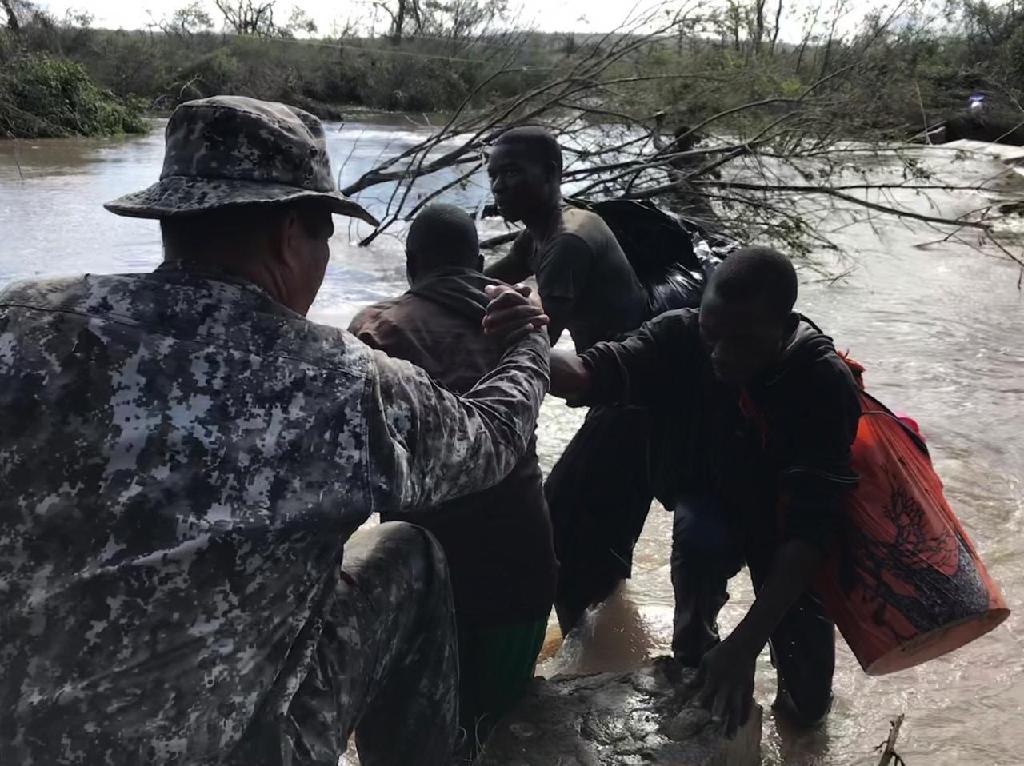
(429, 445)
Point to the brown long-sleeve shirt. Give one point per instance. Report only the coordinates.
(498, 542)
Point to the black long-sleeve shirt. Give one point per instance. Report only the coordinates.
(791, 441)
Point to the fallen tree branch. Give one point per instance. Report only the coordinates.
(839, 194)
(774, 166)
(889, 755)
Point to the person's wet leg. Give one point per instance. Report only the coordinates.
(699, 596)
(803, 652)
(599, 495)
(803, 649)
(702, 561)
(496, 665)
(385, 665)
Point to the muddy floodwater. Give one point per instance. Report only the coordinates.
(938, 325)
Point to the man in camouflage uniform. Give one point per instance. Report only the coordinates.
(183, 457)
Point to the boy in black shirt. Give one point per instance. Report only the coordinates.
(763, 414)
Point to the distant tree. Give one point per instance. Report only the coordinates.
(456, 19)
(733, 20)
(11, 9)
(78, 18)
(248, 17)
(778, 27)
(299, 23)
(758, 30)
(185, 22)
(747, 26)
(20, 13)
(401, 11)
(461, 18)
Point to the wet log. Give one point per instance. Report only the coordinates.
(606, 719)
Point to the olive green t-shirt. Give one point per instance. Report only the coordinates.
(582, 266)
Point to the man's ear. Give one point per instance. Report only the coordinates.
(410, 266)
(554, 179)
(289, 233)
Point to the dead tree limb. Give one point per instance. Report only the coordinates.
(889, 755)
(774, 165)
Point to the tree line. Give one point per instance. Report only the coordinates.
(914, 64)
(775, 132)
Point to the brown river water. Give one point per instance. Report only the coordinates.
(940, 328)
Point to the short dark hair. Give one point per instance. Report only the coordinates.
(198, 235)
(539, 142)
(442, 236)
(757, 274)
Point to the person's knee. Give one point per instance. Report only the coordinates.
(410, 536)
(701, 539)
(419, 551)
(690, 562)
(399, 557)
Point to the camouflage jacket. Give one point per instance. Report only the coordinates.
(181, 462)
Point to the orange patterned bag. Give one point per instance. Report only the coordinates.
(904, 583)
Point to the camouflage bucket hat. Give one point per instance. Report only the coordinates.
(232, 150)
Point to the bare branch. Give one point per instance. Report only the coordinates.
(771, 165)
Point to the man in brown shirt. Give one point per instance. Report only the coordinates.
(498, 542)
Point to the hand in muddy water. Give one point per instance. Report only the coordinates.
(689, 723)
(513, 313)
(725, 686)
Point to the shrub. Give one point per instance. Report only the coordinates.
(50, 97)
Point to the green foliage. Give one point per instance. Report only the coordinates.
(179, 58)
(905, 75)
(50, 97)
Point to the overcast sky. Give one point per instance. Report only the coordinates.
(548, 15)
(543, 15)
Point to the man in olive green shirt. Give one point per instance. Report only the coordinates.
(598, 493)
(584, 279)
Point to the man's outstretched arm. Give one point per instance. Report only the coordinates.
(643, 369)
(516, 310)
(513, 267)
(508, 269)
(570, 378)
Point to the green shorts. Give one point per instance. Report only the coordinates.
(496, 664)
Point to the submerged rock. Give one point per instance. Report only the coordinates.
(610, 719)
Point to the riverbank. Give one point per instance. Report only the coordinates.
(44, 97)
(146, 72)
(904, 79)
